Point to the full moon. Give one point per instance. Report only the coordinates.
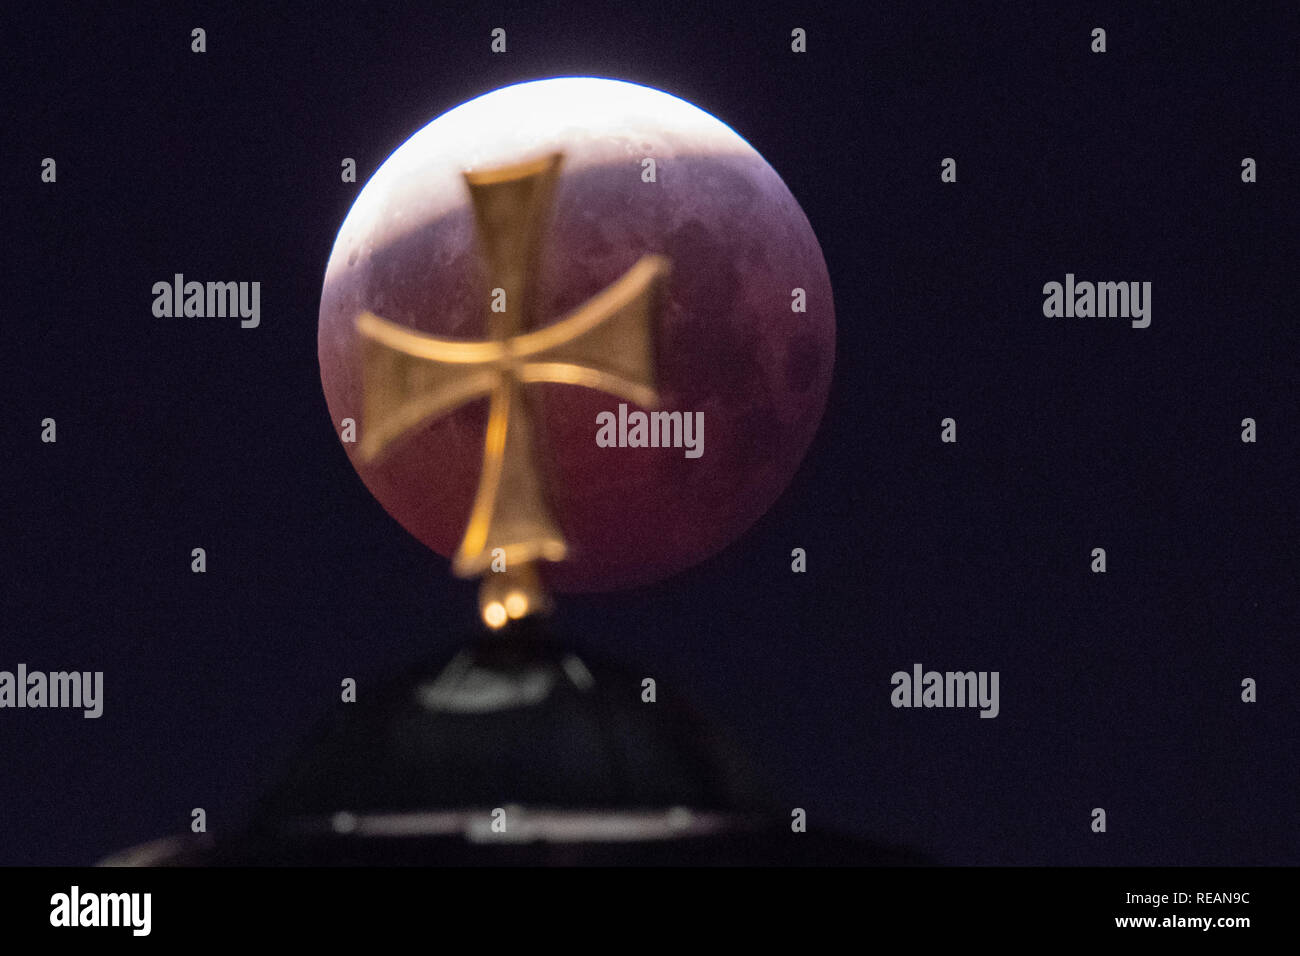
(745, 335)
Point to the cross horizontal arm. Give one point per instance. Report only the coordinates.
(419, 345)
(408, 382)
(606, 344)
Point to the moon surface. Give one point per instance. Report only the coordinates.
(729, 343)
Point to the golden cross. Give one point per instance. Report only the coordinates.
(409, 377)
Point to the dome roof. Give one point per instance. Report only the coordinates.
(520, 730)
(513, 718)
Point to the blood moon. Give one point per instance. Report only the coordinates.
(745, 337)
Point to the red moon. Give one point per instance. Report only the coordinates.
(731, 343)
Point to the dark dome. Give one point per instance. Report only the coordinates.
(513, 718)
(520, 726)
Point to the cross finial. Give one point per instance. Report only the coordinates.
(409, 377)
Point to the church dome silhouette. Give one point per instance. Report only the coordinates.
(515, 717)
(519, 749)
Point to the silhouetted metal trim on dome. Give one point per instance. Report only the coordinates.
(527, 825)
(463, 687)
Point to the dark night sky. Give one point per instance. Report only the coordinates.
(1118, 690)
